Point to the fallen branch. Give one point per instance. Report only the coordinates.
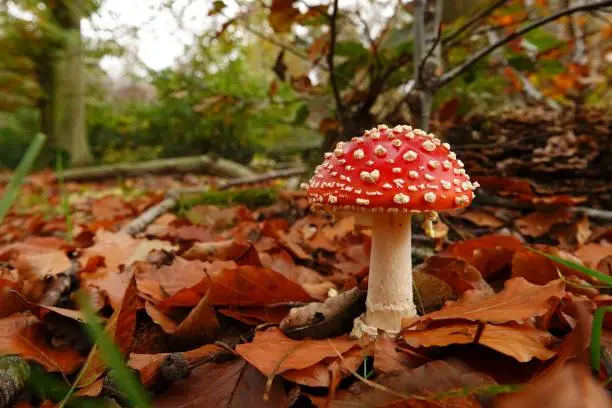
(203, 164)
(150, 215)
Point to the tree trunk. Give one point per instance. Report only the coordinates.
(66, 97)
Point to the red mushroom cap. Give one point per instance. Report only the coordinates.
(397, 169)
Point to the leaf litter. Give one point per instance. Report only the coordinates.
(258, 303)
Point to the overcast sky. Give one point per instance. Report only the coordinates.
(159, 41)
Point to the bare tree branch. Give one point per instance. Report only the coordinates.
(330, 62)
(452, 74)
(484, 13)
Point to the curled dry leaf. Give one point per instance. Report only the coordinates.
(518, 302)
(323, 320)
(121, 328)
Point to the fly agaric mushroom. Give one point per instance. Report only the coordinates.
(383, 178)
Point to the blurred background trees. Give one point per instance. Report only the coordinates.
(275, 77)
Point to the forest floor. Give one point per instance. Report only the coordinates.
(198, 301)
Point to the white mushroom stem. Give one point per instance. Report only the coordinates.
(390, 280)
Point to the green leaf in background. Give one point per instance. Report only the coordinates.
(598, 318)
(301, 115)
(580, 268)
(551, 66)
(20, 173)
(521, 63)
(350, 49)
(542, 39)
(397, 38)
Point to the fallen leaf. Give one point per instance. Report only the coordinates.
(121, 328)
(482, 219)
(571, 387)
(488, 254)
(37, 257)
(271, 352)
(537, 224)
(25, 336)
(425, 381)
(519, 301)
(458, 273)
(232, 384)
(240, 286)
(591, 254)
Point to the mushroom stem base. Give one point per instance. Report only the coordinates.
(390, 280)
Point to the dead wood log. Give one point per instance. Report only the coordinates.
(204, 164)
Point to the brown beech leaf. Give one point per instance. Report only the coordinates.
(271, 352)
(232, 384)
(573, 386)
(255, 316)
(387, 356)
(425, 381)
(25, 336)
(537, 224)
(37, 257)
(200, 325)
(457, 272)
(519, 301)
(591, 254)
(168, 325)
(489, 254)
(241, 286)
(282, 15)
(121, 327)
(482, 219)
(540, 270)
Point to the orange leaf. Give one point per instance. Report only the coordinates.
(271, 352)
(537, 224)
(519, 301)
(282, 15)
(241, 286)
(489, 254)
(25, 336)
(482, 219)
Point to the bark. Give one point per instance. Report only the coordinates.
(64, 117)
(427, 59)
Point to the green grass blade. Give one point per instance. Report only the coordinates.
(580, 268)
(112, 357)
(59, 174)
(21, 171)
(598, 318)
